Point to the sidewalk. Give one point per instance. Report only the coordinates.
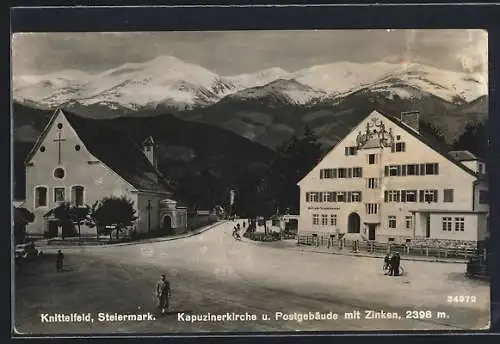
(44, 243)
(292, 245)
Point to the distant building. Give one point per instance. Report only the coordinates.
(387, 180)
(80, 161)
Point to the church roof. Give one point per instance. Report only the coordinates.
(118, 152)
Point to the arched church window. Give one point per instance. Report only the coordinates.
(59, 173)
(40, 196)
(77, 195)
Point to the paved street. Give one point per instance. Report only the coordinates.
(211, 272)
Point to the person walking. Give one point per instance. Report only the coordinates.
(59, 261)
(163, 293)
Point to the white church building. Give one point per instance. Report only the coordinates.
(388, 181)
(81, 161)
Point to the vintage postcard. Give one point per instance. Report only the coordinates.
(250, 181)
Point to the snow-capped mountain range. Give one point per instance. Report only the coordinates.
(168, 81)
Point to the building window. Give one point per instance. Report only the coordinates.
(447, 224)
(371, 208)
(324, 220)
(408, 222)
(59, 125)
(372, 159)
(357, 172)
(410, 195)
(77, 147)
(459, 224)
(392, 221)
(77, 195)
(59, 195)
(350, 151)
(392, 196)
(315, 219)
(42, 149)
(428, 196)
(330, 197)
(333, 220)
(483, 197)
(399, 147)
(412, 170)
(59, 173)
(356, 196)
(372, 183)
(342, 173)
(393, 171)
(328, 173)
(448, 195)
(40, 196)
(431, 169)
(340, 196)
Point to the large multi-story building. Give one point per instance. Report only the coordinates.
(387, 180)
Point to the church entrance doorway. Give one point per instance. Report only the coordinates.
(353, 223)
(167, 224)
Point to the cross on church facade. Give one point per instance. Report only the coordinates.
(59, 140)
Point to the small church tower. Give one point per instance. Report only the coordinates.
(149, 149)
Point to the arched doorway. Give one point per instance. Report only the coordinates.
(354, 223)
(167, 224)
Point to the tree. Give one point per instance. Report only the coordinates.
(68, 214)
(474, 139)
(117, 212)
(294, 159)
(22, 217)
(433, 131)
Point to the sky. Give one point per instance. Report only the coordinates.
(238, 52)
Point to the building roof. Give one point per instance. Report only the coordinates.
(432, 142)
(463, 155)
(115, 150)
(426, 138)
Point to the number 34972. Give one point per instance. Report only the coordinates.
(461, 299)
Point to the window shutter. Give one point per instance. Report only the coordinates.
(421, 196)
(386, 195)
(435, 195)
(393, 149)
(436, 168)
(403, 170)
(422, 169)
(360, 196)
(398, 170)
(403, 196)
(386, 171)
(349, 196)
(360, 172)
(321, 173)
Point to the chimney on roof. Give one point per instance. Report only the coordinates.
(149, 149)
(411, 119)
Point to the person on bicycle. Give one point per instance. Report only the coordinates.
(395, 261)
(236, 232)
(387, 262)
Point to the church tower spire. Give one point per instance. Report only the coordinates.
(149, 149)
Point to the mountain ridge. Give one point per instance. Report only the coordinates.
(170, 82)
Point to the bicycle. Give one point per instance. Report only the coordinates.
(387, 270)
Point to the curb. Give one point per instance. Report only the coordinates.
(145, 241)
(364, 255)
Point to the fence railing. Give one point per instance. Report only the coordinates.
(376, 248)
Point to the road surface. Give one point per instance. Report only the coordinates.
(211, 273)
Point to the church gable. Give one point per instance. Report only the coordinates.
(57, 143)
